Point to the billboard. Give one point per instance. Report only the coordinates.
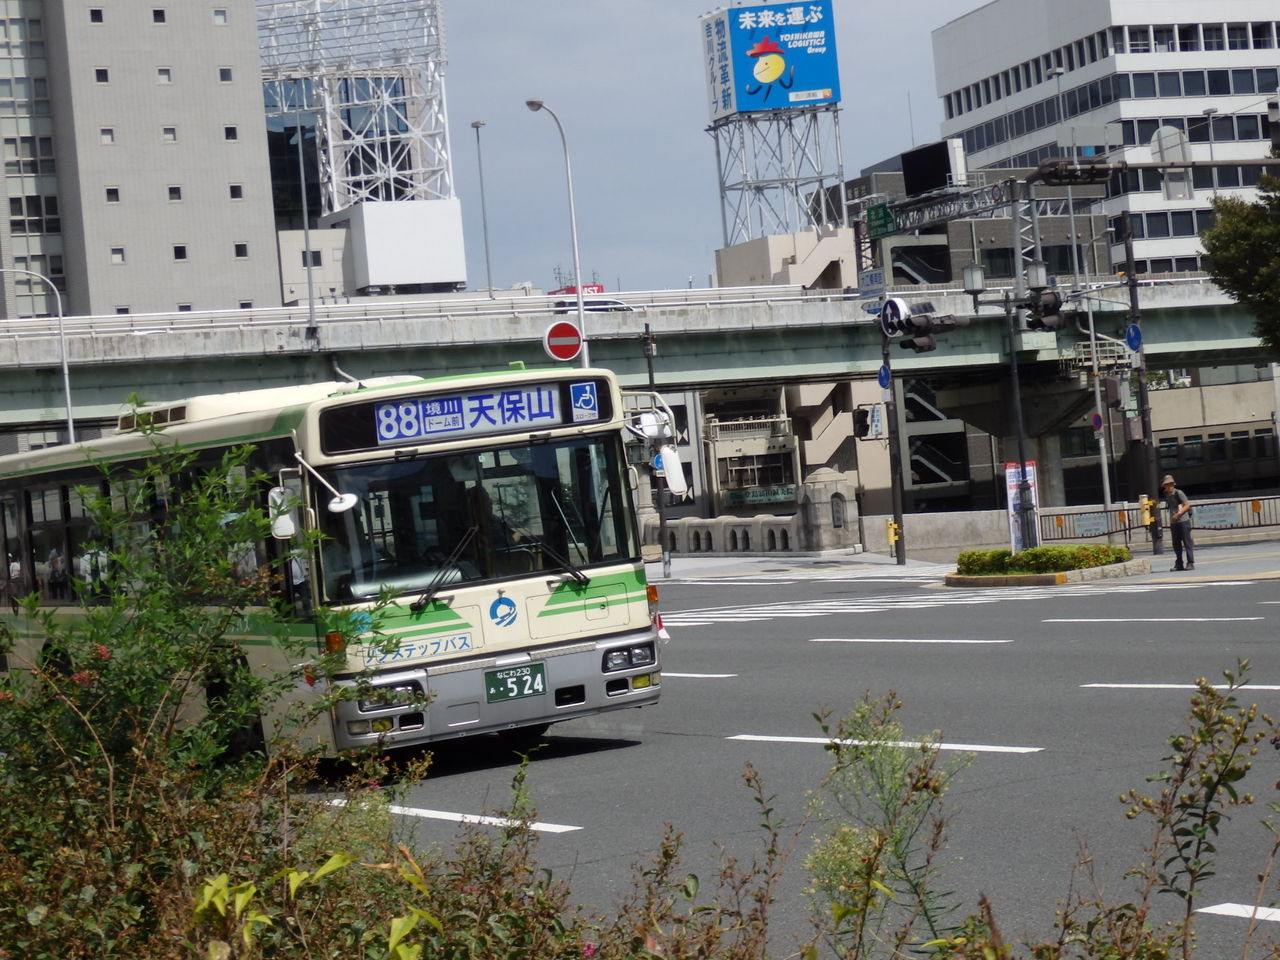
(773, 56)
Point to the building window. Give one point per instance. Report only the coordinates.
(34, 214)
(224, 74)
(314, 258)
(117, 255)
(231, 133)
(235, 191)
(169, 134)
(241, 251)
(113, 194)
(1241, 446)
(179, 251)
(122, 309)
(107, 135)
(246, 304)
(164, 75)
(95, 14)
(1216, 448)
(1193, 450)
(220, 16)
(184, 308)
(175, 193)
(101, 75)
(1264, 444)
(1168, 453)
(157, 15)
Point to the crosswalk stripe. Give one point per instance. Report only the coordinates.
(862, 605)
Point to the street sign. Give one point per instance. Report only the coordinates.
(1097, 421)
(657, 465)
(894, 309)
(1133, 337)
(880, 221)
(884, 377)
(562, 341)
(871, 283)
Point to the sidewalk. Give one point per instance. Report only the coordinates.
(1220, 560)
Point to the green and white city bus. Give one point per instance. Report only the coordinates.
(488, 519)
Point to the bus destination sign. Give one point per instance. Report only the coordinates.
(460, 416)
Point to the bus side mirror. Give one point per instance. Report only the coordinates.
(282, 504)
(672, 470)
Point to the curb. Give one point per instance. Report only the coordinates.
(1131, 568)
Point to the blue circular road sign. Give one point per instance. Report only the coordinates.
(884, 377)
(1133, 337)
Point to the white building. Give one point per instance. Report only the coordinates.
(1026, 80)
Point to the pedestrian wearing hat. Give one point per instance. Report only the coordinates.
(1179, 507)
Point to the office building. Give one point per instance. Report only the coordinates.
(1023, 81)
(135, 157)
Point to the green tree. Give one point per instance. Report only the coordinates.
(1244, 252)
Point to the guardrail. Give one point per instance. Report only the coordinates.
(463, 308)
(1090, 523)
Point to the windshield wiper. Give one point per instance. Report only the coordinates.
(562, 562)
(438, 581)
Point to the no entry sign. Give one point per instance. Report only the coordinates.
(562, 341)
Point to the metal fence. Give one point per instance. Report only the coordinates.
(1126, 520)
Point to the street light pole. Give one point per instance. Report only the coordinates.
(62, 345)
(974, 285)
(535, 106)
(1209, 113)
(1071, 203)
(484, 212)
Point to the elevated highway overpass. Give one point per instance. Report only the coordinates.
(706, 338)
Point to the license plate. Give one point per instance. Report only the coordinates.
(515, 683)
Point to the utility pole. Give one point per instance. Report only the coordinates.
(895, 452)
(1150, 472)
(650, 351)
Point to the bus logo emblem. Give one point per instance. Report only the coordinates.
(503, 611)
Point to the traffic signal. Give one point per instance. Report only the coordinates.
(861, 422)
(920, 332)
(1046, 311)
(917, 323)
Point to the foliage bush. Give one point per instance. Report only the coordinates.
(1051, 559)
(132, 831)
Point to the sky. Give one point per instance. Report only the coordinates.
(626, 79)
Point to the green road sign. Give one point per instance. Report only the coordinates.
(880, 221)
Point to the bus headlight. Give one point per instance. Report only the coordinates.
(642, 655)
(623, 658)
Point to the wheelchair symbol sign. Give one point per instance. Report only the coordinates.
(585, 401)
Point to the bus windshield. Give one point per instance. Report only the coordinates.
(432, 521)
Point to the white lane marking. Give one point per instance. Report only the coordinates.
(706, 616)
(894, 640)
(466, 818)
(1169, 686)
(698, 676)
(1152, 619)
(913, 744)
(1244, 911)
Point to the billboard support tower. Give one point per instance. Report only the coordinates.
(372, 73)
(774, 92)
(777, 172)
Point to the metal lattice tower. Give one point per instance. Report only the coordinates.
(780, 172)
(372, 74)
